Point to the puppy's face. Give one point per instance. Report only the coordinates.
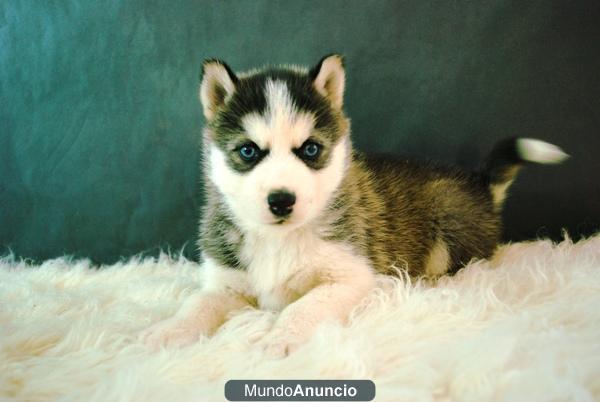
(277, 141)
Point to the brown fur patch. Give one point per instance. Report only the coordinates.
(393, 212)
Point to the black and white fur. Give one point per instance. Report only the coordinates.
(298, 221)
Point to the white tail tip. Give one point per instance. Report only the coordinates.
(539, 151)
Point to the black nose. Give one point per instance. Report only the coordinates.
(280, 202)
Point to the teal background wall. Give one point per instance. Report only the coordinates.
(100, 123)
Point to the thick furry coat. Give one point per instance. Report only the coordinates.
(298, 221)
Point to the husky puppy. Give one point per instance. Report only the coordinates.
(298, 221)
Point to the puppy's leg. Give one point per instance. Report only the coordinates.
(202, 313)
(342, 288)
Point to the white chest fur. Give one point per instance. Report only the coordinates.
(281, 267)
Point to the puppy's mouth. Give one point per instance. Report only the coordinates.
(281, 220)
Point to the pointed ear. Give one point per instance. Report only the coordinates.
(218, 84)
(329, 79)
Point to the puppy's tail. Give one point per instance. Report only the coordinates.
(508, 156)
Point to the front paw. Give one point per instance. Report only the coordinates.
(170, 333)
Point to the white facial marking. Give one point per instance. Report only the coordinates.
(280, 130)
(283, 126)
(246, 193)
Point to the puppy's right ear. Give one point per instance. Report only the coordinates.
(218, 84)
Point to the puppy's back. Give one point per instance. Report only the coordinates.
(440, 217)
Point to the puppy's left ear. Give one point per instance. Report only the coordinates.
(218, 84)
(329, 79)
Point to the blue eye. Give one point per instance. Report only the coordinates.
(248, 152)
(310, 150)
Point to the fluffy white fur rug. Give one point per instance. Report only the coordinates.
(525, 326)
